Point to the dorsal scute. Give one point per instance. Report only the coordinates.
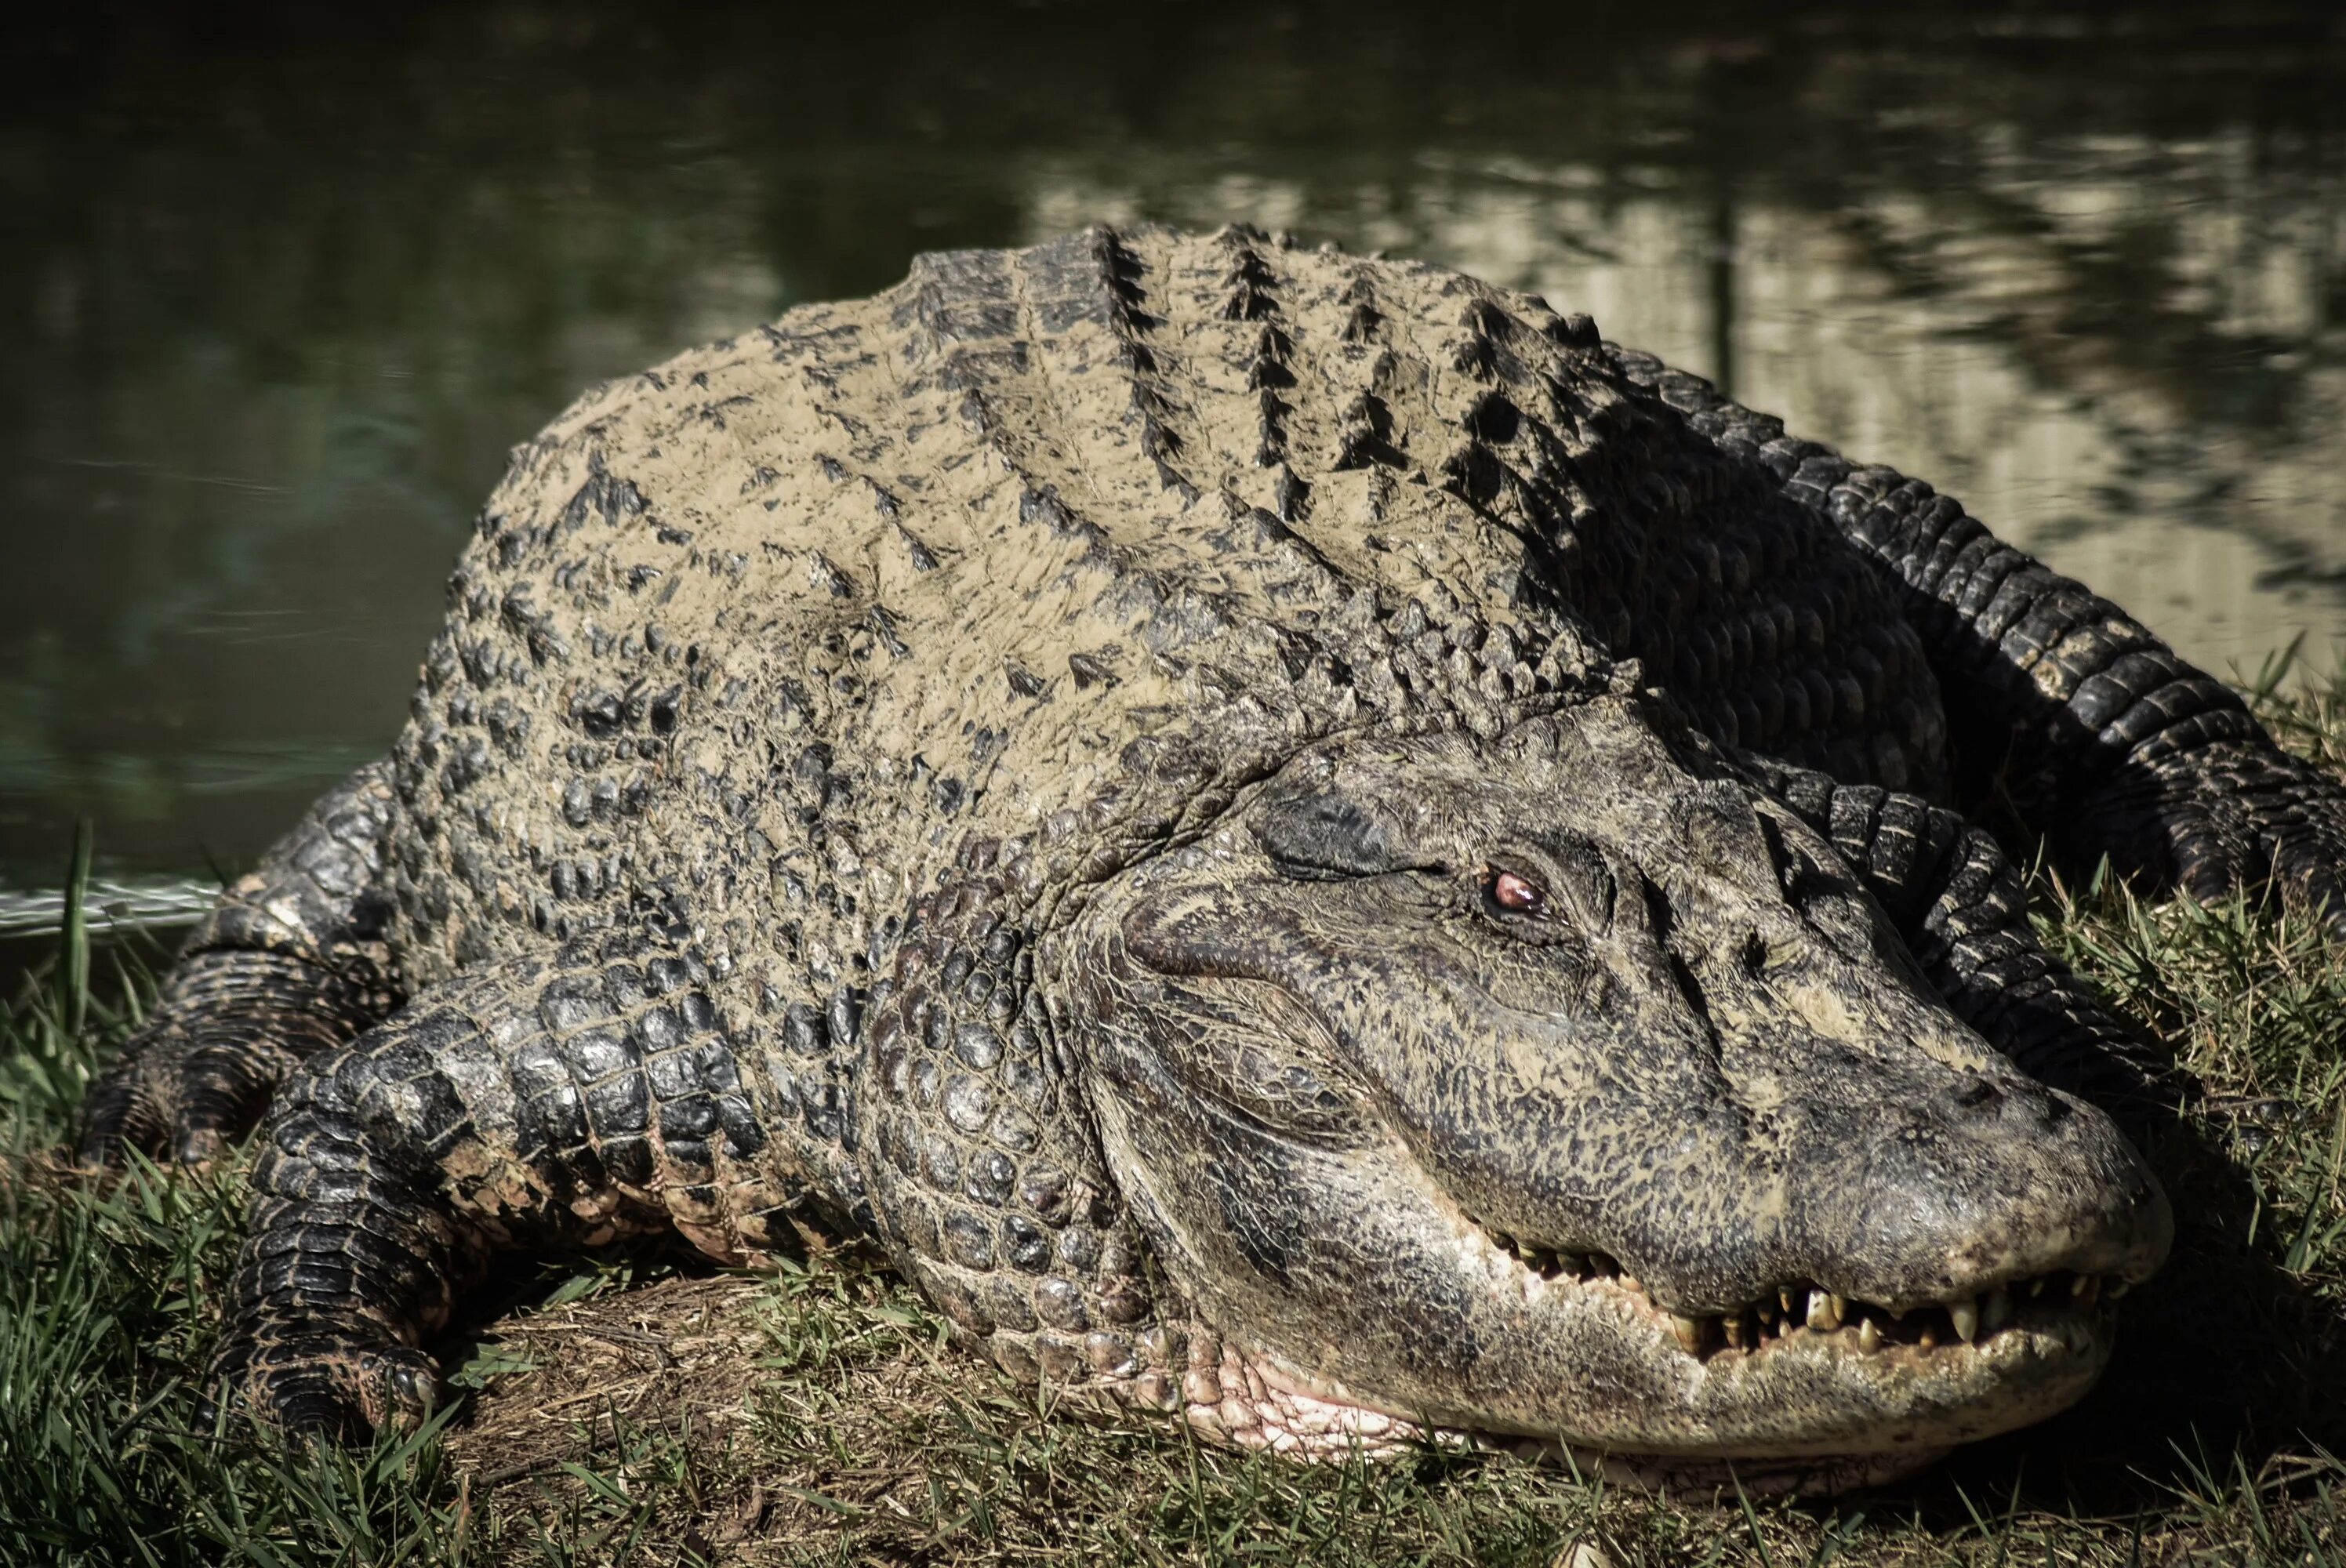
(978, 537)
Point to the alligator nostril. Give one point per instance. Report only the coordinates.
(2031, 1099)
(1980, 1092)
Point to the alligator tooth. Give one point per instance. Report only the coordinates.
(2087, 1289)
(1929, 1337)
(2116, 1288)
(1784, 1294)
(1733, 1327)
(1965, 1316)
(1995, 1310)
(1869, 1334)
(1507, 1243)
(1825, 1311)
(1688, 1330)
(2036, 1285)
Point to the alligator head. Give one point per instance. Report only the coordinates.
(1564, 1087)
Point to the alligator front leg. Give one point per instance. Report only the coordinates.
(2103, 738)
(290, 962)
(545, 1105)
(1960, 903)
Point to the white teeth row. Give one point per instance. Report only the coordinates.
(1793, 1308)
(1796, 1307)
(1549, 1263)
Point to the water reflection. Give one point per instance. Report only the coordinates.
(275, 303)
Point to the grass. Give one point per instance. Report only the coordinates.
(629, 1410)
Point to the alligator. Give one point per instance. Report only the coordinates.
(1298, 840)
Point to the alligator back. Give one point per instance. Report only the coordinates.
(1106, 527)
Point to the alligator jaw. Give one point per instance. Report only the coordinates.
(1262, 1404)
(2034, 1345)
(1257, 1401)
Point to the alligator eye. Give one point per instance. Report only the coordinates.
(1513, 893)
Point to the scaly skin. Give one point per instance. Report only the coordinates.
(1300, 841)
(2110, 743)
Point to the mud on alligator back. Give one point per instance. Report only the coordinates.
(1299, 840)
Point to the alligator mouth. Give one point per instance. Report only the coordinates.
(2051, 1329)
(1258, 1398)
(1804, 1311)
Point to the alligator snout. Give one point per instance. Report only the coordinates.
(1782, 1163)
(1777, 1111)
(2008, 1206)
(1996, 1179)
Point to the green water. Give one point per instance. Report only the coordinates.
(275, 299)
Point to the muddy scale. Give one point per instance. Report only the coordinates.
(1302, 842)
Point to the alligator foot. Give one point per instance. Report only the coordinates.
(355, 1251)
(288, 963)
(229, 1030)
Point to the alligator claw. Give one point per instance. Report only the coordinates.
(229, 1027)
(178, 1095)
